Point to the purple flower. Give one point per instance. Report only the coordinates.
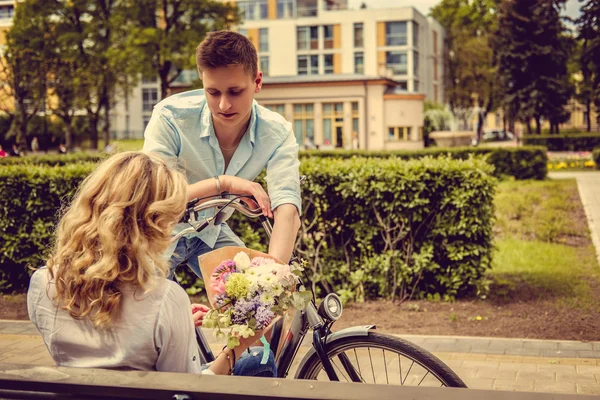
(263, 316)
(244, 310)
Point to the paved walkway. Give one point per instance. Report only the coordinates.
(483, 363)
(589, 191)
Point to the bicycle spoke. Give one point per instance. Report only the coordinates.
(350, 370)
(372, 370)
(357, 363)
(385, 365)
(408, 372)
(339, 369)
(422, 379)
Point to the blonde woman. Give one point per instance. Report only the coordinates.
(102, 301)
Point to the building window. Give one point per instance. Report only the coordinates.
(415, 32)
(333, 124)
(328, 36)
(399, 133)
(308, 65)
(435, 45)
(397, 61)
(307, 37)
(359, 62)
(263, 40)
(416, 63)
(304, 124)
(355, 130)
(264, 65)
(307, 8)
(435, 69)
(358, 35)
(254, 9)
(285, 8)
(7, 12)
(243, 31)
(395, 33)
(415, 86)
(278, 108)
(328, 63)
(149, 98)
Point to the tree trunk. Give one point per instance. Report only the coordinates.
(93, 127)
(106, 131)
(588, 108)
(529, 131)
(538, 125)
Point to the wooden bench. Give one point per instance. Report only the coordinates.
(19, 381)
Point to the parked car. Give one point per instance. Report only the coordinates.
(497, 135)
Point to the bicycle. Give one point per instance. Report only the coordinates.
(334, 355)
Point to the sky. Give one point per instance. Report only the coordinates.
(423, 6)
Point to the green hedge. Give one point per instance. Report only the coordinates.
(528, 162)
(564, 142)
(371, 227)
(54, 159)
(596, 157)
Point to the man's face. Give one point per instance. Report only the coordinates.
(229, 93)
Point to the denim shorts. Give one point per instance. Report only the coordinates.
(249, 364)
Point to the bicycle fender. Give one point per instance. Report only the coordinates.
(335, 336)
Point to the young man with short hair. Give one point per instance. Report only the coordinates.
(224, 139)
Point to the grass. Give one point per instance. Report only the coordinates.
(543, 244)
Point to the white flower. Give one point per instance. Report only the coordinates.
(267, 298)
(242, 261)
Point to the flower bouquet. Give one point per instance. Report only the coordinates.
(247, 291)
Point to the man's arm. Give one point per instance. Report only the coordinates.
(285, 230)
(283, 184)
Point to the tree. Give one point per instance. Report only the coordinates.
(589, 57)
(163, 35)
(24, 68)
(533, 52)
(470, 77)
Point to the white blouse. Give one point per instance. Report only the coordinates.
(154, 330)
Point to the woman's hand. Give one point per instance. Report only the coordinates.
(233, 184)
(198, 313)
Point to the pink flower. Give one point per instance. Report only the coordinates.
(260, 261)
(284, 273)
(217, 284)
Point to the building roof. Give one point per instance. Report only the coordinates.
(291, 79)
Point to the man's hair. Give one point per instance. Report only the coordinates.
(223, 48)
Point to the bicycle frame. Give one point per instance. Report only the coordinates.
(303, 320)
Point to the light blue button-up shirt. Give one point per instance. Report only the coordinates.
(181, 130)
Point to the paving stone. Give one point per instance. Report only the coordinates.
(469, 357)
(588, 354)
(541, 345)
(496, 373)
(559, 353)
(555, 387)
(509, 384)
(479, 383)
(557, 368)
(453, 349)
(575, 346)
(504, 358)
(440, 340)
(465, 373)
(488, 351)
(537, 375)
(575, 377)
(596, 346)
(524, 352)
(480, 364)
(506, 344)
(586, 388)
(588, 369)
(580, 361)
(518, 367)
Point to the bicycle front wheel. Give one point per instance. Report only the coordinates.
(381, 359)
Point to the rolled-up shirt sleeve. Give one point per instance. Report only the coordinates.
(175, 336)
(283, 174)
(162, 137)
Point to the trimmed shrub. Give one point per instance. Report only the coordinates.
(526, 162)
(564, 142)
(54, 159)
(371, 227)
(596, 157)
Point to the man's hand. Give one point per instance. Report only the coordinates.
(199, 311)
(235, 185)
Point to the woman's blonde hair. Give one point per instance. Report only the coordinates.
(115, 232)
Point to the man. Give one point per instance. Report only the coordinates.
(224, 139)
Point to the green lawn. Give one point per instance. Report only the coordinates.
(543, 243)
